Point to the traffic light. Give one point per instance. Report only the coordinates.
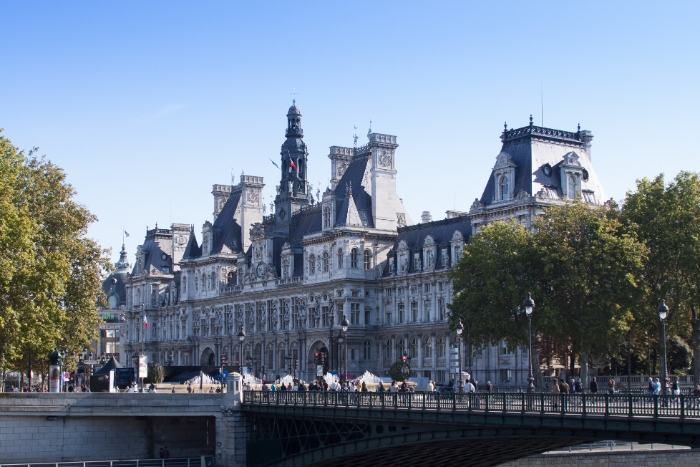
(322, 360)
(317, 358)
(262, 368)
(296, 364)
(224, 360)
(403, 358)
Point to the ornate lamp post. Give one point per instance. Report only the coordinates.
(460, 329)
(662, 310)
(529, 305)
(345, 324)
(241, 338)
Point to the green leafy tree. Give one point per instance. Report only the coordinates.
(490, 282)
(588, 278)
(666, 219)
(48, 299)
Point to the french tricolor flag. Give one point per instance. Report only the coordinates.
(144, 318)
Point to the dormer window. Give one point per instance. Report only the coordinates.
(504, 188)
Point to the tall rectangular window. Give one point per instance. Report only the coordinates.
(426, 310)
(414, 312)
(354, 313)
(402, 311)
(441, 309)
(388, 318)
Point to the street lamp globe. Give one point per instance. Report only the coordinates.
(460, 327)
(241, 335)
(344, 323)
(662, 310)
(528, 304)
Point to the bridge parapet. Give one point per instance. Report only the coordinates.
(111, 404)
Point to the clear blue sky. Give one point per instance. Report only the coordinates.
(147, 104)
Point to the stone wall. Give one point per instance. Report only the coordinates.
(604, 459)
(51, 439)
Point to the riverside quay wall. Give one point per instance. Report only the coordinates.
(674, 457)
(103, 426)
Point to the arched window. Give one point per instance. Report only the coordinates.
(340, 258)
(504, 187)
(387, 349)
(312, 264)
(367, 350)
(427, 347)
(572, 187)
(325, 261)
(230, 277)
(368, 260)
(353, 258)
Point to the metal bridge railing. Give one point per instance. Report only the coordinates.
(174, 462)
(618, 405)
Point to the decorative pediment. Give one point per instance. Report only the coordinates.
(571, 158)
(429, 241)
(503, 160)
(403, 245)
(457, 236)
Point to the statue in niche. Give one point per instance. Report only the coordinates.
(431, 259)
(444, 257)
(417, 262)
(392, 266)
(285, 267)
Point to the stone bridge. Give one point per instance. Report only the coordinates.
(341, 429)
(329, 428)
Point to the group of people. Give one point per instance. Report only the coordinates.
(322, 385)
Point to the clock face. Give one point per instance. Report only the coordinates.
(163, 256)
(261, 269)
(547, 169)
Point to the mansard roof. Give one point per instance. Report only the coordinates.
(531, 149)
(192, 249)
(159, 242)
(353, 178)
(441, 232)
(304, 222)
(227, 231)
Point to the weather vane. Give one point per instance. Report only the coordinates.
(294, 93)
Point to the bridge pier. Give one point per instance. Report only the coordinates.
(232, 427)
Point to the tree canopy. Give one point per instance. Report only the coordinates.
(580, 265)
(666, 218)
(50, 271)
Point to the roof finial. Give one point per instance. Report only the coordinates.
(370, 128)
(505, 126)
(156, 225)
(530, 119)
(579, 127)
(294, 99)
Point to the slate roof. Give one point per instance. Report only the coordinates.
(441, 231)
(227, 232)
(158, 242)
(530, 149)
(192, 249)
(363, 200)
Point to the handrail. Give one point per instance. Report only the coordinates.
(170, 462)
(681, 406)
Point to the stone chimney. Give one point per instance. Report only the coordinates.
(426, 217)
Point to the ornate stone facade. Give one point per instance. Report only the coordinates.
(287, 278)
